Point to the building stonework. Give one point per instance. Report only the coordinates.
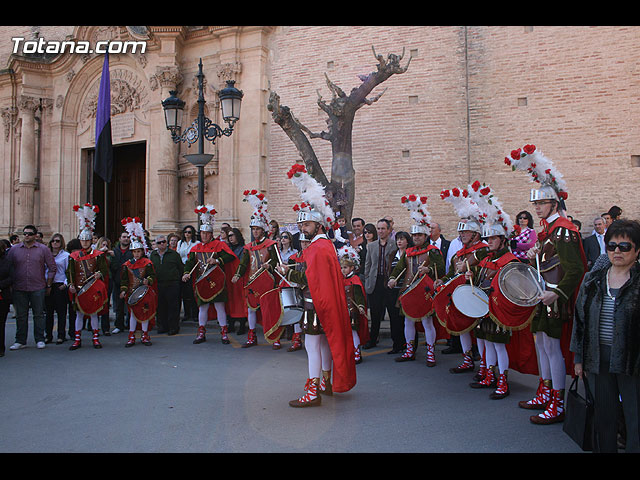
(470, 95)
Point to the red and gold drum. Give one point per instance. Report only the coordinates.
(92, 296)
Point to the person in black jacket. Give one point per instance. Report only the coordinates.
(121, 254)
(605, 337)
(169, 269)
(6, 280)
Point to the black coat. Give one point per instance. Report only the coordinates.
(6, 277)
(591, 250)
(117, 261)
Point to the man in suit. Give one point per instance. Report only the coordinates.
(594, 245)
(438, 240)
(376, 274)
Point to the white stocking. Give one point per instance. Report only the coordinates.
(356, 339)
(327, 359)
(203, 314)
(80, 321)
(503, 356)
(465, 342)
(297, 328)
(409, 330)
(481, 350)
(556, 362)
(222, 313)
(543, 358)
(252, 317)
(429, 330)
(314, 355)
(490, 352)
(133, 322)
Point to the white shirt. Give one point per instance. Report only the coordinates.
(454, 246)
(437, 242)
(62, 261)
(183, 248)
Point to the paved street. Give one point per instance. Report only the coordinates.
(178, 397)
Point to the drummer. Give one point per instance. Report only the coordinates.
(560, 258)
(136, 272)
(419, 260)
(298, 264)
(259, 255)
(473, 250)
(84, 265)
(356, 298)
(326, 323)
(202, 256)
(490, 333)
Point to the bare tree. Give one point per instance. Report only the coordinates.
(341, 111)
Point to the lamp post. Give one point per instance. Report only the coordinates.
(202, 127)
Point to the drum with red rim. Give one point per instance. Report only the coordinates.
(210, 284)
(92, 296)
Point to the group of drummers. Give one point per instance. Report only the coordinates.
(487, 297)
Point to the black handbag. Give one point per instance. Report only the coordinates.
(578, 415)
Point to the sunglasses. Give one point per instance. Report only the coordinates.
(161, 241)
(28, 234)
(623, 246)
(55, 240)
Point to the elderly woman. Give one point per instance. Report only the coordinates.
(606, 336)
(527, 237)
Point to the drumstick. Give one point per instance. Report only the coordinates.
(478, 296)
(416, 275)
(194, 267)
(469, 270)
(280, 275)
(538, 265)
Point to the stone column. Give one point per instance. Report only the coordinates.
(166, 199)
(28, 168)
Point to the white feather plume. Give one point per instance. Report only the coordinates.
(463, 204)
(484, 196)
(540, 168)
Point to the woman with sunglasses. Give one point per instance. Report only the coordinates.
(605, 337)
(527, 237)
(58, 299)
(286, 247)
(183, 247)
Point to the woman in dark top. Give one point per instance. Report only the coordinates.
(606, 337)
(6, 280)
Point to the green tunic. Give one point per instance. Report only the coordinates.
(567, 247)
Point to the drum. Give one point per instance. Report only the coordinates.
(514, 297)
(417, 299)
(210, 283)
(261, 282)
(470, 301)
(519, 283)
(143, 303)
(448, 315)
(92, 296)
(292, 305)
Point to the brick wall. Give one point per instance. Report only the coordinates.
(572, 91)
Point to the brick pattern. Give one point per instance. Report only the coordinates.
(572, 91)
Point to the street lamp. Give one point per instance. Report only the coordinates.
(202, 127)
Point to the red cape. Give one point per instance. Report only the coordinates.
(141, 263)
(324, 278)
(363, 327)
(79, 255)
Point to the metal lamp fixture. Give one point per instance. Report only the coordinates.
(202, 127)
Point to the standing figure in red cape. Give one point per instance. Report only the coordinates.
(356, 298)
(560, 259)
(205, 268)
(472, 252)
(258, 259)
(87, 274)
(326, 322)
(419, 267)
(138, 284)
(503, 321)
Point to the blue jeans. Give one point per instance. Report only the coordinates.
(22, 300)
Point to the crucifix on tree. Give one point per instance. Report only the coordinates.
(341, 111)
